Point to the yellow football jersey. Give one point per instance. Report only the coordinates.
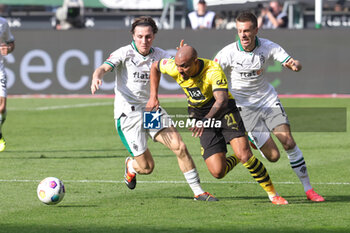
(198, 89)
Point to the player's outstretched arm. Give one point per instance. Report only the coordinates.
(153, 102)
(292, 64)
(97, 77)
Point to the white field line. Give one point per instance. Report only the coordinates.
(167, 182)
(80, 105)
(61, 107)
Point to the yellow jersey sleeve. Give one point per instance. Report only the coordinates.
(167, 66)
(216, 77)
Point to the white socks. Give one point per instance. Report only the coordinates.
(130, 167)
(192, 178)
(297, 162)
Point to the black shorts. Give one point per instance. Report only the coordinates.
(214, 140)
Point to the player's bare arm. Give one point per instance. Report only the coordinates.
(293, 64)
(221, 101)
(153, 102)
(7, 48)
(97, 77)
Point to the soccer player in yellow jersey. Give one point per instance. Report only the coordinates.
(206, 88)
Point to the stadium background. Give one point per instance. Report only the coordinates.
(61, 62)
(48, 61)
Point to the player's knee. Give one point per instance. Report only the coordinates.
(273, 157)
(180, 149)
(289, 143)
(244, 154)
(218, 174)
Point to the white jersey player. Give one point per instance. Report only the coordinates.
(262, 112)
(7, 45)
(132, 64)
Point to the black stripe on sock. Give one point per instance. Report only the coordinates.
(303, 163)
(262, 174)
(257, 169)
(267, 178)
(254, 164)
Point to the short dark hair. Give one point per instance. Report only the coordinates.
(144, 21)
(247, 16)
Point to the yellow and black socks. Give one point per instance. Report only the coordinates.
(231, 162)
(260, 174)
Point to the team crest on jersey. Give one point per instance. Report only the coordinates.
(165, 61)
(262, 58)
(135, 147)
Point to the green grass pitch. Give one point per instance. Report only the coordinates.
(76, 141)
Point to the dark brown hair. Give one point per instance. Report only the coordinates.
(247, 16)
(144, 21)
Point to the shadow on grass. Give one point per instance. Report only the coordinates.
(260, 198)
(77, 206)
(293, 200)
(160, 229)
(42, 154)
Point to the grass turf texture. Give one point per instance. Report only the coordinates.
(77, 143)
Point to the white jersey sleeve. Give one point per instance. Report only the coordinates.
(116, 57)
(6, 35)
(224, 58)
(277, 52)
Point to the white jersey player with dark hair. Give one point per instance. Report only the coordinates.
(7, 45)
(261, 110)
(132, 64)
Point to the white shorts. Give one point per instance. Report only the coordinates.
(259, 122)
(3, 83)
(133, 134)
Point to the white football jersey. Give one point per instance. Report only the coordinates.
(5, 37)
(246, 70)
(132, 71)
